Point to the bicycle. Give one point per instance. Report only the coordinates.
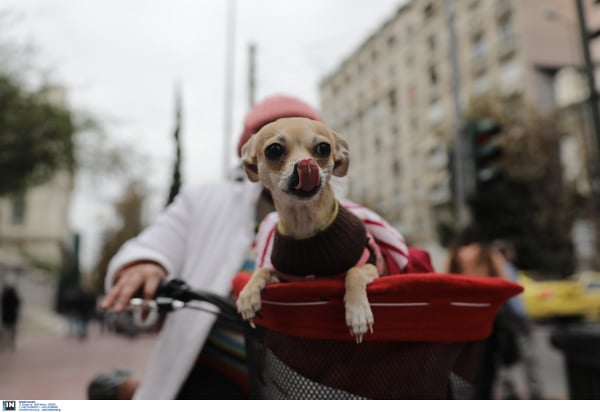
(426, 343)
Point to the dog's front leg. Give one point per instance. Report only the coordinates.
(248, 302)
(359, 316)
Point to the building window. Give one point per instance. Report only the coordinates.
(18, 208)
(433, 76)
(397, 168)
(431, 42)
(479, 47)
(435, 114)
(391, 41)
(429, 11)
(392, 71)
(506, 29)
(375, 113)
(360, 68)
(414, 124)
(506, 34)
(482, 85)
(410, 60)
(334, 90)
(392, 99)
(510, 73)
(359, 118)
(377, 144)
(412, 95)
(479, 55)
(347, 77)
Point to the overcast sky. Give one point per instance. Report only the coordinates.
(120, 60)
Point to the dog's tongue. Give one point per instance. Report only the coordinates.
(308, 175)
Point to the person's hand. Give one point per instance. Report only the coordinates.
(144, 276)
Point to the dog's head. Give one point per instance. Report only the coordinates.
(295, 156)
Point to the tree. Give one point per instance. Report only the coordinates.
(36, 136)
(129, 212)
(528, 204)
(176, 179)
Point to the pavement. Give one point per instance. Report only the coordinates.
(47, 364)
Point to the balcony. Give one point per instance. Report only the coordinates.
(502, 8)
(440, 195)
(433, 94)
(507, 46)
(476, 26)
(478, 65)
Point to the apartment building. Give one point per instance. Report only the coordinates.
(392, 98)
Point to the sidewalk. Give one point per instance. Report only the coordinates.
(48, 366)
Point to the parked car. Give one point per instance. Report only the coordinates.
(591, 284)
(564, 299)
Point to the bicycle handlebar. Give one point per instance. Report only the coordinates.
(176, 294)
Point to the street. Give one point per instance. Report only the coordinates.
(47, 365)
(550, 367)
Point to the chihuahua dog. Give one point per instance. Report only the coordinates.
(295, 159)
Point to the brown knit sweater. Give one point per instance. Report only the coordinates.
(328, 253)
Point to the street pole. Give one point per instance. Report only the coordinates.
(228, 98)
(460, 187)
(589, 72)
(251, 75)
(593, 106)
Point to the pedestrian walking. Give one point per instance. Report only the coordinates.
(11, 305)
(470, 254)
(525, 328)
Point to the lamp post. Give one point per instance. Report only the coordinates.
(590, 75)
(461, 187)
(589, 67)
(228, 98)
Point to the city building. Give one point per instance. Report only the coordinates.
(34, 224)
(394, 97)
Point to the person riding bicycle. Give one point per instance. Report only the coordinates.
(205, 238)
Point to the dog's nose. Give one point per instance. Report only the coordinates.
(308, 174)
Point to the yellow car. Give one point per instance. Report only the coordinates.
(591, 284)
(555, 299)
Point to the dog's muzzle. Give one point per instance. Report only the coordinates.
(306, 178)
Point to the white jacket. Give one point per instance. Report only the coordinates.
(202, 238)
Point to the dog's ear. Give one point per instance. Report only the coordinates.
(249, 160)
(341, 157)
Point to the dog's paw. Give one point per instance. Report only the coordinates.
(249, 303)
(359, 319)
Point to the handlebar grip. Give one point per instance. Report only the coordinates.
(178, 289)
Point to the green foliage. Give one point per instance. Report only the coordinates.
(528, 205)
(129, 211)
(513, 210)
(36, 136)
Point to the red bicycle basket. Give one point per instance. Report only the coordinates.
(425, 342)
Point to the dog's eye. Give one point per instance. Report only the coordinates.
(274, 151)
(323, 149)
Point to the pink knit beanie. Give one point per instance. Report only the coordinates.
(271, 109)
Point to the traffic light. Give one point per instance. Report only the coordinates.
(485, 136)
